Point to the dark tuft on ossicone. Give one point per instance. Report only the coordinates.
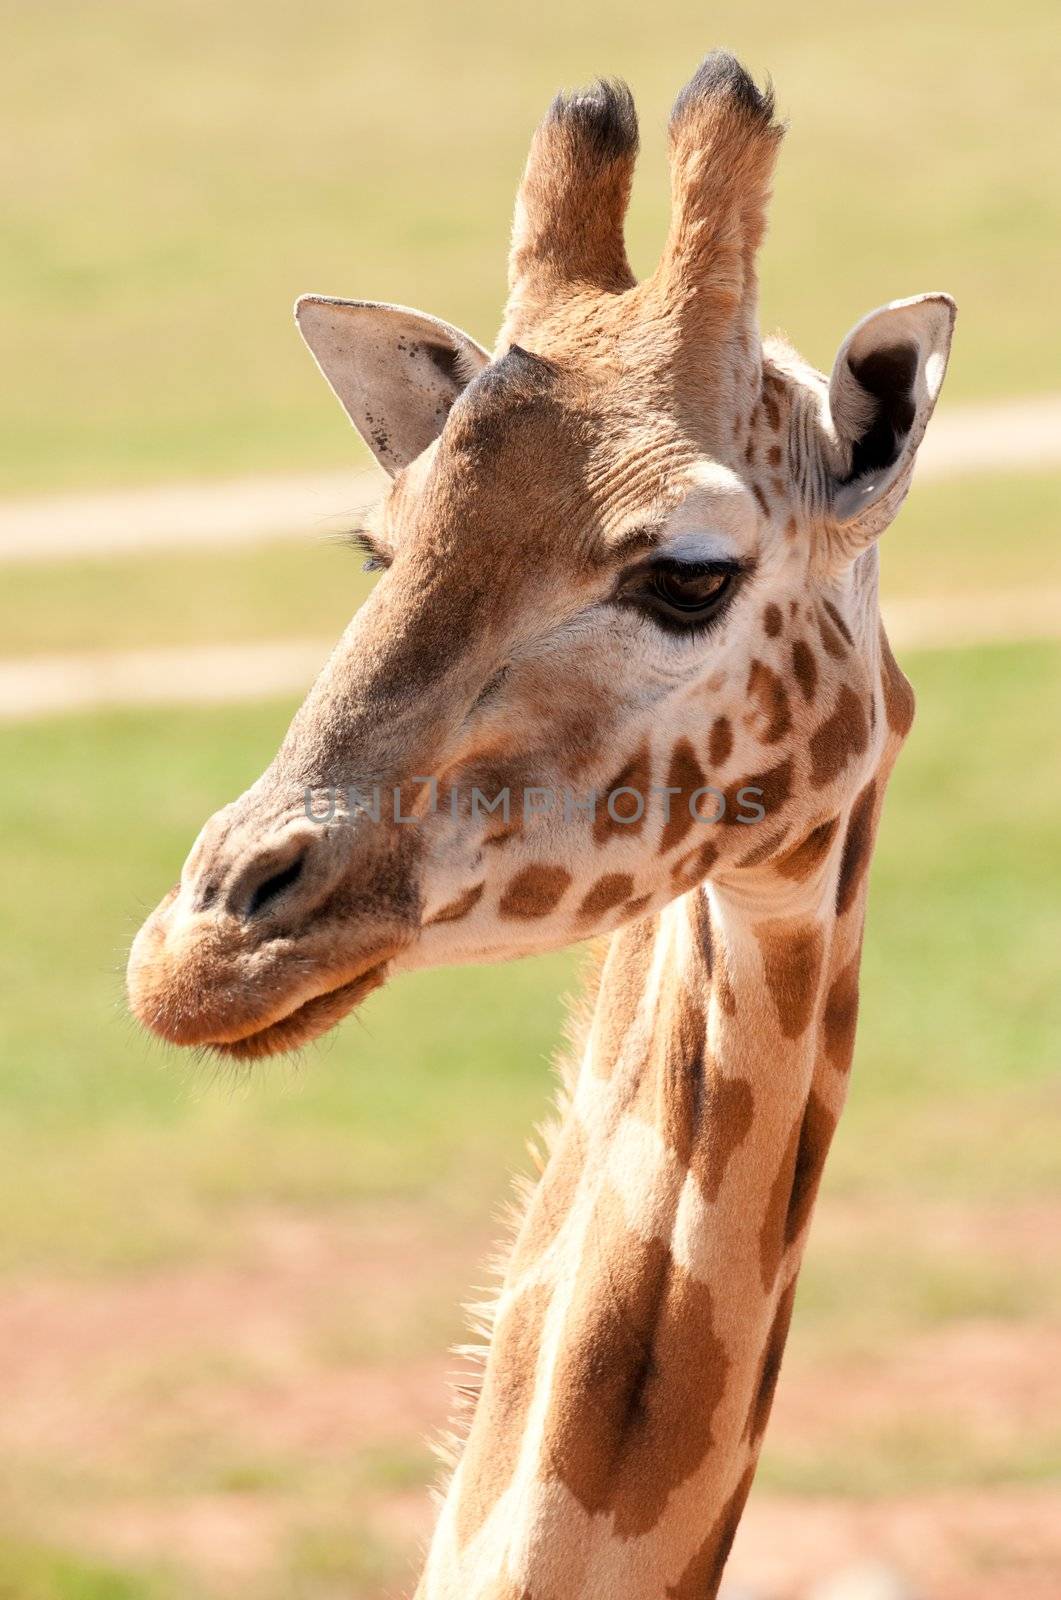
(720, 74)
(601, 117)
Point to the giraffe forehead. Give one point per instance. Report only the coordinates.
(567, 451)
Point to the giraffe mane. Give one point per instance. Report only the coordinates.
(447, 1443)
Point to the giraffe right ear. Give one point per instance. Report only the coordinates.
(396, 372)
(884, 386)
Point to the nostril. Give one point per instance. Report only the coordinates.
(273, 886)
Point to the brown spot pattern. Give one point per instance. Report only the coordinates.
(815, 1138)
(770, 1371)
(773, 788)
(723, 986)
(899, 702)
(700, 922)
(838, 621)
(629, 958)
(607, 892)
(792, 1193)
(703, 1116)
(772, 620)
(761, 499)
(770, 696)
(458, 908)
(686, 776)
(805, 668)
(800, 860)
(672, 1094)
(765, 850)
(636, 775)
(843, 735)
(840, 1017)
(551, 1202)
(649, 1371)
(720, 743)
(535, 892)
(702, 1576)
(792, 957)
(833, 642)
(690, 868)
(772, 1230)
(858, 842)
(493, 1446)
(730, 1103)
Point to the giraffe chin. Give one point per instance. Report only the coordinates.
(305, 1023)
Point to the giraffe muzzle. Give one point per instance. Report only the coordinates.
(263, 947)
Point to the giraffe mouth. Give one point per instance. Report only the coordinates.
(306, 1022)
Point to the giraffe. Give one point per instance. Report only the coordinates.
(629, 569)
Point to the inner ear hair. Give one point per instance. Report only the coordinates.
(883, 413)
(882, 391)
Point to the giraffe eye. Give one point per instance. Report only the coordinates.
(682, 594)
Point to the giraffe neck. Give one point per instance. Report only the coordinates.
(644, 1311)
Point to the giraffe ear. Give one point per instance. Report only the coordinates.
(883, 390)
(396, 372)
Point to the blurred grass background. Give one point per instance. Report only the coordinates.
(223, 1303)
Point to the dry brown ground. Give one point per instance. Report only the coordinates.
(202, 1414)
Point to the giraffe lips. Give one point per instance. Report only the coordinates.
(199, 982)
(305, 1023)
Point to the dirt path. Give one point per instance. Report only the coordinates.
(979, 1544)
(42, 686)
(962, 439)
(210, 1415)
(180, 516)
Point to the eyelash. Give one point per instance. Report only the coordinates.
(636, 590)
(653, 608)
(377, 560)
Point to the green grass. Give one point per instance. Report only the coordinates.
(276, 591)
(962, 1019)
(35, 1572)
(191, 168)
(966, 536)
(904, 1459)
(975, 535)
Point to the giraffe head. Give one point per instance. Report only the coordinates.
(625, 637)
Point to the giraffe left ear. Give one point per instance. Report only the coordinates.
(396, 372)
(883, 390)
